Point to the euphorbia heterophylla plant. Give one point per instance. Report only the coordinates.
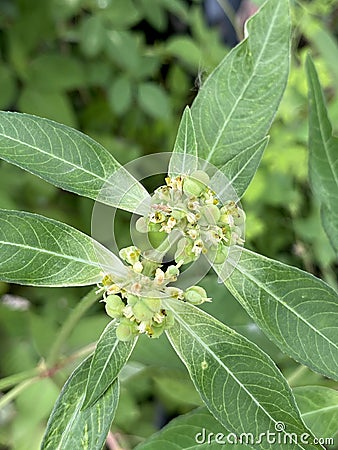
(192, 216)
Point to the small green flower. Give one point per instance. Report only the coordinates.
(196, 295)
(130, 254)
(114, 306)
(196, 183)
(126, 330)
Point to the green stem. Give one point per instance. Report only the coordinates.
(296, 374)
(85, 303)
(230, 12)
(12, 380)
(4, 400)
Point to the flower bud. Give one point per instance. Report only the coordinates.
(114, 306)
(142, 312)
(156, 330)
(172, 273)
(195, 295)
(126, 330)
(221, 254)
(132, 299)
(196, 183)
(153, 303)
(210, 215)
(184, 253)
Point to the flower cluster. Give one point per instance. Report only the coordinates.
(137, 301)
(187, 204)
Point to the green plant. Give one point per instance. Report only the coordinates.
(227, 128)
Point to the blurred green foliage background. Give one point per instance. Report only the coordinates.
(122, 72)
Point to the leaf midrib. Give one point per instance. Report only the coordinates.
(279, 300)
(49, 252)
(116, 343)
(204, 345)
(320, 122)
(320, 410)
(56, 157)
(245, 87)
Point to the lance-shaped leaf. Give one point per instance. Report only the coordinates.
(296, 310)
(39, 251)
(110, 356)
(196, 430)
(319, 408)
(240, 170)
(68, 159)
(237, 103)
(238, 382)
(184, 157)
(71, 428)
(199, 430)
(323, 156)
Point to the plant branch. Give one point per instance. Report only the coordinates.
(4, 400)
(231, 14)
(12, 380)
(85, 303)
(296, 374)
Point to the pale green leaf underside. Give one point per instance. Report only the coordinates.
(110, 356)
(71, 428)
(68, 159)
(323, 155)
(237, 381)
(319, 408)
(39, 251)
(296, 310)
(184, 157)
(237, 103)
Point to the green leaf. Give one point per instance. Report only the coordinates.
(110, 356)
(190, 432)
(92, 35)
(39, 251)
(68, 159)
(240, 169)
(120, 95)
(319, 408)
(323, 155)
(198, 429)
(185, 49)
(238, 382)
(8, 87)
(154, 100)
(51, 105)
(184, 157)
(296, 310)
(71, 428)
(44, 72)
(237, 103)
